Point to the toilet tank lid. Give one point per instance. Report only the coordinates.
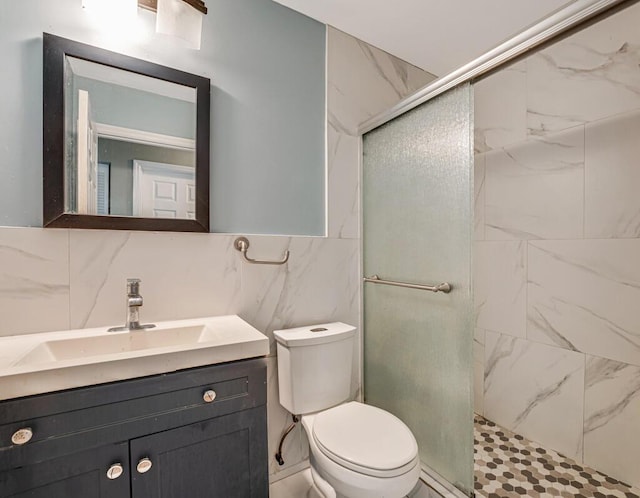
(314, 334)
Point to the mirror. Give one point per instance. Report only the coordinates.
(126, 142)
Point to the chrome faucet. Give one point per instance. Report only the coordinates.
(134, 302)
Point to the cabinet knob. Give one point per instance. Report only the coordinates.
(144, 466)
(209, 396)
(115, 471)
(22, 436)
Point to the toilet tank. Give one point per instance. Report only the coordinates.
(314, 366)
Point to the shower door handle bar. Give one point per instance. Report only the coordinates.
(443, 287)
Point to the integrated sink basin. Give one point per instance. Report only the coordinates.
(51, 361)
(113, 343)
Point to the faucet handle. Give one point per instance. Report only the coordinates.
(133, 286)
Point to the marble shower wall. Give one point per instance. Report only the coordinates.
(52, 279)
(557, 264)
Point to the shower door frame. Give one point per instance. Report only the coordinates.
(560, 24)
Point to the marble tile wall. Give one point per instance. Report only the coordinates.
(34, 283)
(59, 279)
(364, 81)
(535, 390)
(557, 251)
(611, 421)
(534, 189)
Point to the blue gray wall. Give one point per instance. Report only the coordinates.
(267, 67)
(131, 108)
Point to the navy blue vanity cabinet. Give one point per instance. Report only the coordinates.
(194, 433)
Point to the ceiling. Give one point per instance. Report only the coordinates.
(436, 35)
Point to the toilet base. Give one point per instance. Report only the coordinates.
(315, 493)
(328, 486)
(322, 487)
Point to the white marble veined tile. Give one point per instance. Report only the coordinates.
(478, 371)
(34, 280)
(500, 277)
(500, 108)
(295, 448)
(584, 294)
(319, 283)
(612, 419)
(184, 275)
(536, 189)
(343, 159)
(535, 390)
(591, 75)
(478, 191)
(612, 177)
(364, 81)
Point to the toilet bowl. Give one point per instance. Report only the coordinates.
(356, 450)
(362, 451)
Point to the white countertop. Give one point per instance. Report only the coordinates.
(23, 372)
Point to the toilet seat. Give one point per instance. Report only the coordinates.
(365, 439)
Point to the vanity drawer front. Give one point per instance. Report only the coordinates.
(88, 417)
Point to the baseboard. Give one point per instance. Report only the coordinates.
(289, 471)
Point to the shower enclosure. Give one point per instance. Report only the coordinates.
(417, 205)
(555, 239)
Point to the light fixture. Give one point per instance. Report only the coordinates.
(178, 18)
(115, 21)
(112, 8)
(153, 5)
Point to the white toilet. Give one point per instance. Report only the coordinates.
(357, 450)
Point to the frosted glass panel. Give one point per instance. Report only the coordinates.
(417, 228)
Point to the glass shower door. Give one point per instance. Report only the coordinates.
(417, 205)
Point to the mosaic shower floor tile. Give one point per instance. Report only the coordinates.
(507, 466)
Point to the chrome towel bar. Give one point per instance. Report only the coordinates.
(443, 287)
(242, 244)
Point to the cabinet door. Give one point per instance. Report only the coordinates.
(224, 457)
(80, 475)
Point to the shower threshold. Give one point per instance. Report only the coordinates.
(507, 465)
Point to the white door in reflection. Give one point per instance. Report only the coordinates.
(163, 190)
(87, 190)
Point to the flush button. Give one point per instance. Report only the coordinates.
(22, 436)
(319, 329)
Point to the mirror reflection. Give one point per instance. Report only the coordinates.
(130, 147)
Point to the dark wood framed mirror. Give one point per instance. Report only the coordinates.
(126, 142)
